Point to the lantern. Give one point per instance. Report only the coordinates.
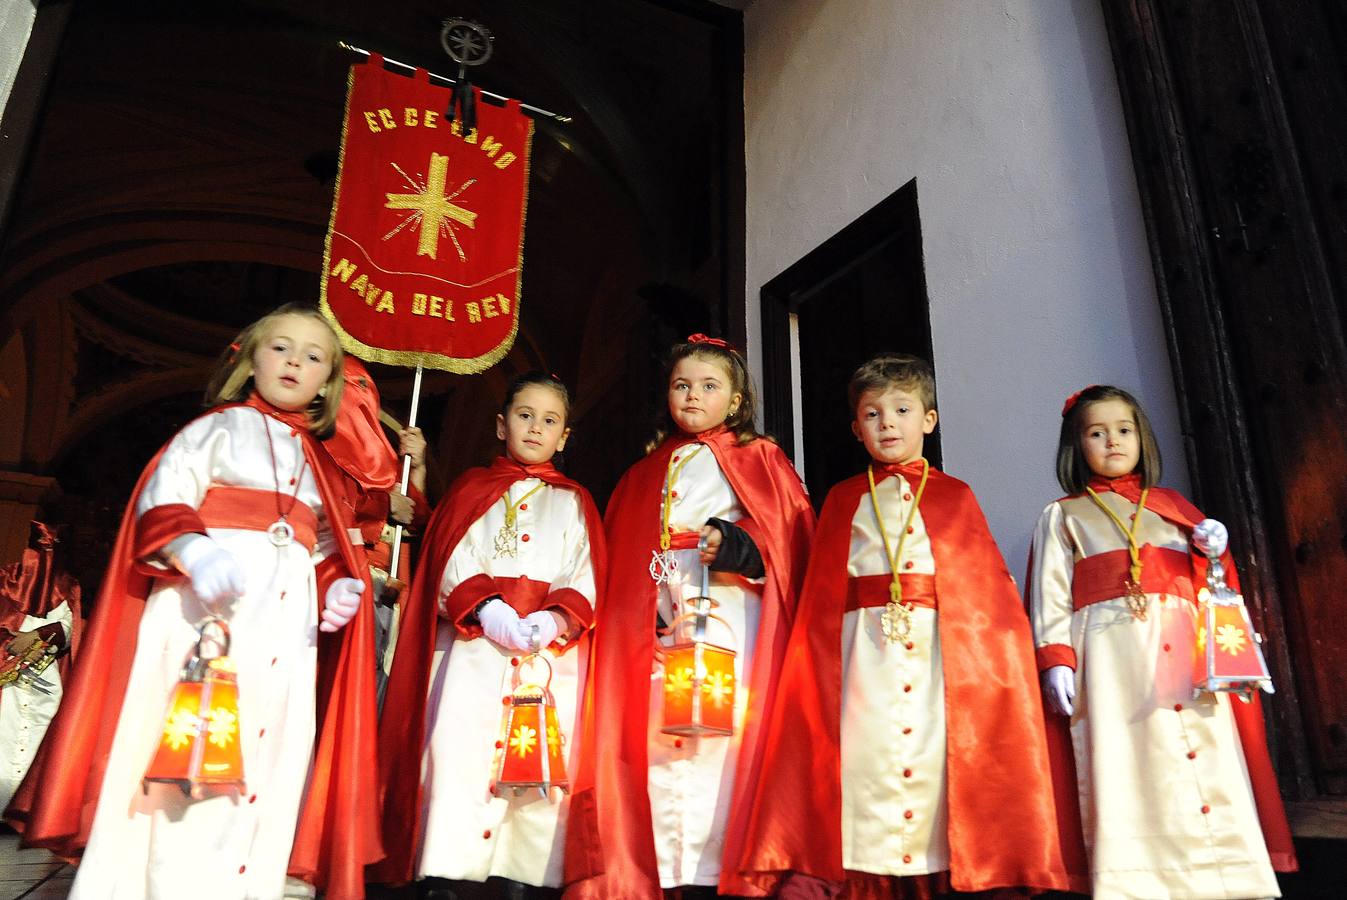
(1229, 652)
(199, 750)
(532, 750)
(699, 682)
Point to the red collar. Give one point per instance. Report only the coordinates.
(505, 463)
(298, 419)
(912, 471)
(1128, 486)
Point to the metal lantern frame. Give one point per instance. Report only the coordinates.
(530, 700)
(696, 663)
(1219, 603)
(202, 713)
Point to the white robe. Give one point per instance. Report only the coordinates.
(895, 805)
(691, 779)
(25, 712)
(470, 834)
(1165, 798)
(160, 844)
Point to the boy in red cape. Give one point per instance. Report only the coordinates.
(710, 472)
(182, 549)
(906, 749)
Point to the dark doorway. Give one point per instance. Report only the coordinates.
(861, 292)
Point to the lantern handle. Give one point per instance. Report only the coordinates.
(700, 624)
(528, 660)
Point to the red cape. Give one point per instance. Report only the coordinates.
(1002, 823)
(610, 844)
(1173, 507)
(337, 834)
(403, 735)
(34, 586)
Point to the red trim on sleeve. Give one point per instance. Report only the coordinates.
(156, 527)
(1051, 655)
(465, 598)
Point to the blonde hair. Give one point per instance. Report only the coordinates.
(233, 378)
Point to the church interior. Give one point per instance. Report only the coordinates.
(167, 174)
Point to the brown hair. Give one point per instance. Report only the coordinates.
(519, 382)
(1073, 472)
(717, 352)
(893, 370)
(233, 378)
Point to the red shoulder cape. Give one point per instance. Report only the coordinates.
(1002, 825)
(403, 734)
(1174, 507)
(337, 834)
(610, 844)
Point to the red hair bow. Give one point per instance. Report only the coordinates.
(700, 338)
(1070, 403)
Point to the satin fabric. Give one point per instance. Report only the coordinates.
(403, 732)
(469, 832)
(1055, 640)
(610, 849)
(1002, 825)
(337, 831)
(34, 586)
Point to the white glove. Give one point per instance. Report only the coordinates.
(1210, 538)
(547, 627)
(502, 624)
(214, 571)
(341, 603)
(1059, 689)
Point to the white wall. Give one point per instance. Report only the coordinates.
(1007, 114)
(16, 24)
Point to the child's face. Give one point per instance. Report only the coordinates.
(1109, 438)
(534, 428)
(292, 362)
(701, 395)
(892, 424)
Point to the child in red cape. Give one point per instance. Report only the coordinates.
(227, 520)
(360, 447)
(654, 810)
(510, 567)
(906, 750)
(1176, 794)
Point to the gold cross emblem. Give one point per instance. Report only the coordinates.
(433, 211)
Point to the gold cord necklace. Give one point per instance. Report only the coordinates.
(663, 564)
(507, 538)
(896, 623)
(1135, 596)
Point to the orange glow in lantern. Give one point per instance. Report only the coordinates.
(699, 683)
(532, 750)
(1229, 653)
(199, 749)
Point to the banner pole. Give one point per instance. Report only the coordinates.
(406, 476)
(537, 110)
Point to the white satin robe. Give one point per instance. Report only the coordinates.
(691, 779)
(160, 844)
(1149, 757)
(895, 807)
(471, 834)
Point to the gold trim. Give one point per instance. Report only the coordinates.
(412, 358)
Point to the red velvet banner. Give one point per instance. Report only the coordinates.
(426, 244)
